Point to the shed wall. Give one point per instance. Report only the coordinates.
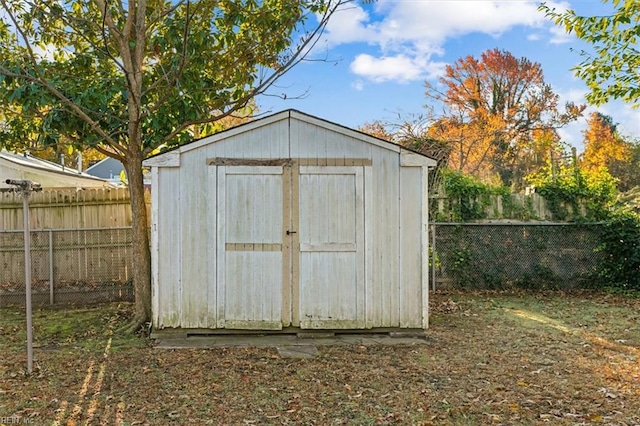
(185, 281)
(410, 242)
(167, 234)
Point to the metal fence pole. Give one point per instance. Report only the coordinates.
(51, 267)
(27, 279)
(25, 188)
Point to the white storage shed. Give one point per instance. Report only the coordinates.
(287, 223)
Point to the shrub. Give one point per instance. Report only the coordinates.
(620, 266)
(596, 191)
(469, 196)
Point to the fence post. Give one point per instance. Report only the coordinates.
(51, 267)
(433, 257)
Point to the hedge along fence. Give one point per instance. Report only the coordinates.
(508, 255)
(463, 198)
(520, 207)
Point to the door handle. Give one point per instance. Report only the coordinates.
(291, 232)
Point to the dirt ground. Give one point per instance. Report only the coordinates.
(489, 358)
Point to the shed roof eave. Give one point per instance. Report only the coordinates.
(414, 159)
(168, 159)
(172, 158)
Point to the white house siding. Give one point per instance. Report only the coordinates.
(47, 174)
(198, 251)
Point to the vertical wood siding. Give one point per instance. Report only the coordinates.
(410, 280)
(169, 251)
(194, 222)
(250, 200)
(357, 259)
(331, 247)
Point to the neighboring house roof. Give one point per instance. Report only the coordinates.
(108, 168)
(111, 169)
(48, 174)
(169, 157)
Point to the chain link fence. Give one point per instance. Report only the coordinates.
(79, 266)
(88, 266)
(507, 255)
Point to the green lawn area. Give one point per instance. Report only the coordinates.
(490, 358)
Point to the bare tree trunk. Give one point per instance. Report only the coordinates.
(141, 250)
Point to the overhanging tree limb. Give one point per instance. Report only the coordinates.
(611, 69)
(157, 67)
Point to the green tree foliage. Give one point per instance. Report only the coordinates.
(611, 69)
(129, 77)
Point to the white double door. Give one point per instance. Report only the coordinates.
(290, 247)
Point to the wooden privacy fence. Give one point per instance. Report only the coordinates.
(68, 266)
(68, 208)
(508, 255)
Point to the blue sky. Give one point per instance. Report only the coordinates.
(379, 56)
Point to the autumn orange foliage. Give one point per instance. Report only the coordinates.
(376, 129)
(606, 149)
(602, 145)
(500, 117)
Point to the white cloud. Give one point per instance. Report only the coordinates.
(437, 21)
(572, 95)
(349, 25)
(399, 68)
(45, 52)
(358, 85)
(408, 34)
(560, 36)
(627, 118)
(572, 133)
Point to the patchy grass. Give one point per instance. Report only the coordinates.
(490, 358)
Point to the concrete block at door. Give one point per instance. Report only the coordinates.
(316, 335)
(408, 333)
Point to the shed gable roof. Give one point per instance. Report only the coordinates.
(172, 158)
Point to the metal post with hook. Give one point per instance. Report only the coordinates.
(26, 187)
